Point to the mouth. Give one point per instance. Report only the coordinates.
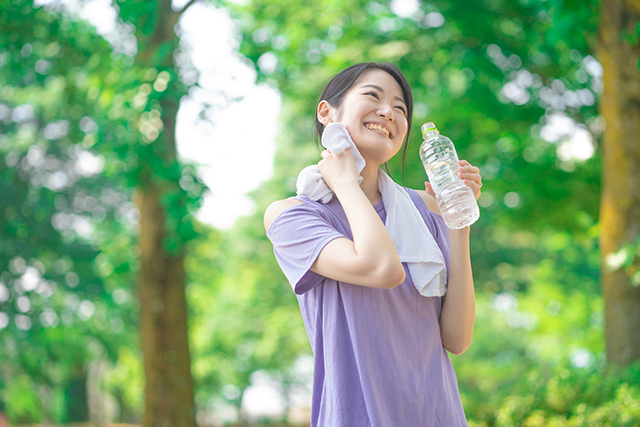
(378, 128)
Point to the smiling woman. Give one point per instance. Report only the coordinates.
(374, 106)
(371, 266)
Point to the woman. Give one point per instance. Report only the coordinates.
(378, 344)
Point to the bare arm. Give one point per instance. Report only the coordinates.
(458, 315)
(370, 259)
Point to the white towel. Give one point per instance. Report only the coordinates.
(335, 138)
(413, 240)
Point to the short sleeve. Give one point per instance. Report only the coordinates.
(298, 235)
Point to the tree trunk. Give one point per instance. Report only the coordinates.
(76, 395)
(169, 397)
(620, 199)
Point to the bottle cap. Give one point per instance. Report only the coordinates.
(427, 127)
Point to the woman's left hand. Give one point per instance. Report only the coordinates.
(469, 174)
(471, 177)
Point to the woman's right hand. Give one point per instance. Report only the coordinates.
(338, 170)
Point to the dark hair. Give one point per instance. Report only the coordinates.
(337, 88)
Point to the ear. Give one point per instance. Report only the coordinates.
(325, 113)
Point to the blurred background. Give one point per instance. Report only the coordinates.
(141, 141)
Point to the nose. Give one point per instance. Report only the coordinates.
(386, 111)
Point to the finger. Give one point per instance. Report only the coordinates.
(429, 189)
(470, 176)
(469, 172)
(469, 169)
(325, 154)
(473, 184)
(475, 188)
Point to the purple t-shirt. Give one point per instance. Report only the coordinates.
(378, 354)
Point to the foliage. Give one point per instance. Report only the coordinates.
(628, 260)
(63, 280)
(490, 75)
(575, 397)
(497, 77)
(241, 318)
(494, 75)
(26, 405)
(540, 322)
(73, 109)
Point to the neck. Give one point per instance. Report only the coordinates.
(369, 184)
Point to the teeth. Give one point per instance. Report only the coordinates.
(379, 128)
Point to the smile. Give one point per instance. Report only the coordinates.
(378, 128)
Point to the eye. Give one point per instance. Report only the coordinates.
(401, 108)
(374, 94)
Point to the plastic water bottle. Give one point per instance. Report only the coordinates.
(456, 201)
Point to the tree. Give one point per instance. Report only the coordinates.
(57, 307)
(619, 51)
(123, 109)
(165, 222)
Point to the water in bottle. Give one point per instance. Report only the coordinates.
(456, 201)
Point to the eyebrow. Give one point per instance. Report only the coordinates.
(382, 90)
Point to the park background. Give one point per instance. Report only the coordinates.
(121, 303)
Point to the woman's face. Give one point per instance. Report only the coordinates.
(375, 115)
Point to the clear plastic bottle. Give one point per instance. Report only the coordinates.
(456, 201)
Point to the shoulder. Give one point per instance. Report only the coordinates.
(276, 208)
(429, 201)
